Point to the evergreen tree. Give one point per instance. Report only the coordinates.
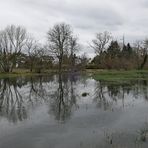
(127, 51)
(114, 49)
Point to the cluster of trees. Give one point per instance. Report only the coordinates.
(110, 54)
(16, 48)
(19, 49)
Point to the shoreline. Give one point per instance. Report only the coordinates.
(97, 74)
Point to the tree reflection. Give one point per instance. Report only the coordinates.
(108, 94)
(64, 99)
(100, 98)
(17, 95)
(37, 89)
(11, 101)
(60, 94)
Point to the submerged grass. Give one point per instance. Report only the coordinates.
(22, 72)
(121, 75)
(13, 75)
(107, 75)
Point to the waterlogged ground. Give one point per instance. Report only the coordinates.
(73, 111)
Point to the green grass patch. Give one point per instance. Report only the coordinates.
(114, 75)
(23, 72)
(11, 75)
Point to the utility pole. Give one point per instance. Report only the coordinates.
(123, 40)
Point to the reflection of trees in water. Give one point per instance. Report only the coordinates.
(11, 101)
(109, 93)
(145, 89)
(64, 99)
(37, 89)
(100, 97)
(17, 94)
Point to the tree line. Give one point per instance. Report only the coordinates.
(18, 49)
(110, 54)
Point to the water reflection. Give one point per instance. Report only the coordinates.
(11, 100)
(45, 107)
(62, 95)
(64, 99)
(17, 94)
(109, 94)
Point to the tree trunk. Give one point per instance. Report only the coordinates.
(144, 62)
(60, 64)
(31, 67)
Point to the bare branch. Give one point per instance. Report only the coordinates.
(100, 42)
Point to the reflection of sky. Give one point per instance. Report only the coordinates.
(86, 125)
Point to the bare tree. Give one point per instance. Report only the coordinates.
(31, 47)
(40, 53)
(100, 42)
(145, 53)
(58, 39)
(139, 49)
(84, 60)
(74, 47)
(138, 45)
(12, 41)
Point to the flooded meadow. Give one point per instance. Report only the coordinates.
(73, 111)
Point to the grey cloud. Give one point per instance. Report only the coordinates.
(87, 17)
(144, 3)
(93, 13)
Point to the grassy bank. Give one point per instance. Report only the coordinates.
(24, 72)
(114, 75)
(108, 75)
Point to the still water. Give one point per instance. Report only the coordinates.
(53, 112)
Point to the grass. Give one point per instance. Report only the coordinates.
(24, 72)
(107, 75)
(121, 75)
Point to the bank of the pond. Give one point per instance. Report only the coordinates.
(18, 73)
(108, 75)
(118, 75)
(11, 75)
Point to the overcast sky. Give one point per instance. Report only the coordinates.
(87, 17)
